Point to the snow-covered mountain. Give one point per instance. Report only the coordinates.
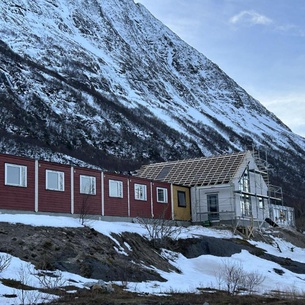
(105, 82)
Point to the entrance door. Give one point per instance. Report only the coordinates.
(213, 206)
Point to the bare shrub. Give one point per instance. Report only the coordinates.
(160, 230)
(85, 209)
(235, 278)
(26, 294)
(252, 280)
(50, 280)
(5, 261)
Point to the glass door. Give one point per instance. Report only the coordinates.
(213, 206)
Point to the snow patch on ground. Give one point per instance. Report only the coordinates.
(196, 273)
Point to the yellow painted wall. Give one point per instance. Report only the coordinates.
(181, 213)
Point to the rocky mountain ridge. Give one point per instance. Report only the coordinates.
(106, 83)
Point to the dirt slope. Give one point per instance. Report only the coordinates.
(124, 257)
(83, 251)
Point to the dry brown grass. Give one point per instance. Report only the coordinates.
(122, 297)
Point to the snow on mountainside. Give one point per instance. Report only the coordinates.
(104, 82)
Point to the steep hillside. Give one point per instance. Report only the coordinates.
(56, 255)
(106, 83)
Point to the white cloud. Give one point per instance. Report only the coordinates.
(291, 29)
(250, 17)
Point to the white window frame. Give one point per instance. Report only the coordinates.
(115, 188)
(165, 195)
(87, 185)
(22, 175)
(60, 180)
(140, 191)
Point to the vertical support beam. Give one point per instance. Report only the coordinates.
(194, 204)
(172, 202)
(102, 194)
(36, 186)
(128, 197)
(233, 204)
(72, 189)
(151, 200)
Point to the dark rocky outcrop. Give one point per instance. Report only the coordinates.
(84, 251)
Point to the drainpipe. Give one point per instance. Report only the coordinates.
(151, 200)
(102, 194)
(72, 189)
(172, 201)
(234, 202)
(128, 197)
(36, 186)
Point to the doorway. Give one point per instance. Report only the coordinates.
(213, 206)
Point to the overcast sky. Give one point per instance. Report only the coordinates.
(258, 43)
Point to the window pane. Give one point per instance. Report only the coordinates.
(87, 185)
(23, 176)
(246, 208)
(61, 181)
(115, 188)
(112, 189)
(213, 203)
(84, 184)
(161, 195)
(15, 175)
(261, 203)
(244, 184)
(181, 199)
(91, 185)
(54, 180)
(140, 191)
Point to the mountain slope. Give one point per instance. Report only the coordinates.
(107, 83)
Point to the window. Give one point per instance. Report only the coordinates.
(181, 199)
(55, 180)
(87, 185)
(213, 206)
(140, 192)
(261, 203)
(244, 183)
(246, 208)
(115, 188)
(161, 194)
(15, 175)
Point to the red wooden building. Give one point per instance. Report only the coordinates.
(41, 186)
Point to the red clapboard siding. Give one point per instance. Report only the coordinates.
(54, 201)
(23, 198)
(161, 210)
(16, 197)
(114, 206)
(140, 208)
(90, 204)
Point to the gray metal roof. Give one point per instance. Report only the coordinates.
(195, 172)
